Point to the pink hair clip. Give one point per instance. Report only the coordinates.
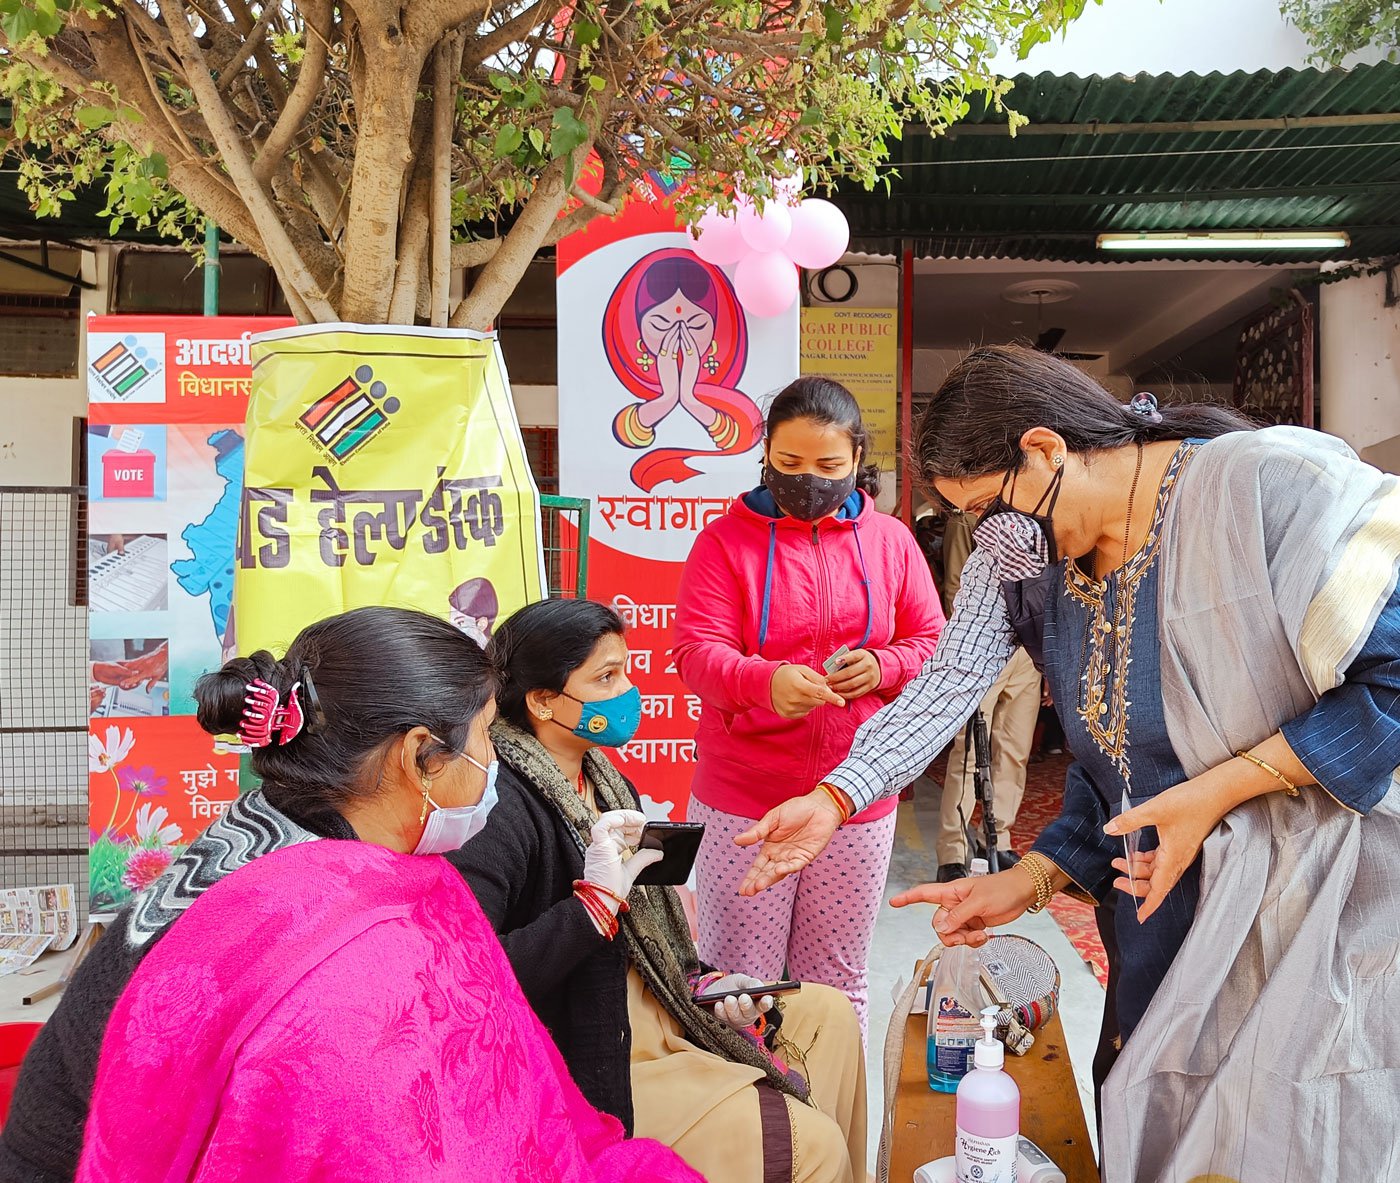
(264, 716)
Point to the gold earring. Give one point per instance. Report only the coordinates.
(546, 714)
(427, 784)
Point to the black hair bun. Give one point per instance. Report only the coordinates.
(221, 695)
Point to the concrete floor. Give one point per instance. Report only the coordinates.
(904, 935)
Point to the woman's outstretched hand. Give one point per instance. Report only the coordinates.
(1184, 816)
(969, 908)
(793, 835)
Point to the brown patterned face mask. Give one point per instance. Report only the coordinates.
(807, 496)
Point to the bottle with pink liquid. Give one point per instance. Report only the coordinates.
(989, 1113)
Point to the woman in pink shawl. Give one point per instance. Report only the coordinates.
(340, 1009)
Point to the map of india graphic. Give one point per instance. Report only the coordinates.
(212, 542)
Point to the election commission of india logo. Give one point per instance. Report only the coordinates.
(346, 418)
(126, 367)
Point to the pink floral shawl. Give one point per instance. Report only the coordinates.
(334, 1012)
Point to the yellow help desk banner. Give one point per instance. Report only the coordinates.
(384, 465)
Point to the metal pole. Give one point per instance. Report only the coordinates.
(906, 382)
(982, 785)
(211, 269)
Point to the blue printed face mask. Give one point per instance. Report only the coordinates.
(609, 722)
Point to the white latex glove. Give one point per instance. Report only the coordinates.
(742, 1012)
(605, 862)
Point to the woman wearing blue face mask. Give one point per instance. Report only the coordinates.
(610, 967)
(251, 986)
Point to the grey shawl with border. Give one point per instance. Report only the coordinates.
(1271, 1053)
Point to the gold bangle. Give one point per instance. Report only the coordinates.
(1035, 866)
(1288, 786)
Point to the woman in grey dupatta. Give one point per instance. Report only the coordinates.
(1221, 633)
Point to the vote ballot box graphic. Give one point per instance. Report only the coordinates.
(129, 474)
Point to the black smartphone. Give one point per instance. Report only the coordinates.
(709, 999)
(679, 843)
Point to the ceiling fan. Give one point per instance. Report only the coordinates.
(1047, 340)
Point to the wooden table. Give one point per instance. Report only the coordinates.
(1051, 1114)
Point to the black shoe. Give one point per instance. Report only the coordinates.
(1006, 859)
(949, 872)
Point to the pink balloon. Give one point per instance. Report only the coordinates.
(820, 234)
(766, 283)
(720, 242)
(766, 231)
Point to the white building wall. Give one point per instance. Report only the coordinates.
(36, 414)
(1359, 342)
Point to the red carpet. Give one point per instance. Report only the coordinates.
(1045, 787)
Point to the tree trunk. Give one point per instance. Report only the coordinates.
(372, 226)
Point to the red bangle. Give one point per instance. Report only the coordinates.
(598, 912)
(622, 905)
(844, 806)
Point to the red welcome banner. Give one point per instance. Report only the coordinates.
(663, 380)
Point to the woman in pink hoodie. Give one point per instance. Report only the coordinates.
(801, 571)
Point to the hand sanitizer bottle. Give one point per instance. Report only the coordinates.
(989, 1114)
(952, 1012)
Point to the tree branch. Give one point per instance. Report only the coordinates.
(446, 65)
(413, 241)
(508, 264)
(239, 58)
(488, 45)
(310, 79)
(474, 254)
(286, 260)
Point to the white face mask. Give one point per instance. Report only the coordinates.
(451, 828)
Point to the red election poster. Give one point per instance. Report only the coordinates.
(656, 480)
(167, 399)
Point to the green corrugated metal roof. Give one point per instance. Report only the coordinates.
(1046, 196)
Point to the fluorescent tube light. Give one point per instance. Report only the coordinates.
(1227, 240)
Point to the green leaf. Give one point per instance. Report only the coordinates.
(537, 140)
(811, 117)
(835, 24)
(597, 82)
(570, 133)
(586, 33)
(508, 139)
(94, 117)
(19, 24)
